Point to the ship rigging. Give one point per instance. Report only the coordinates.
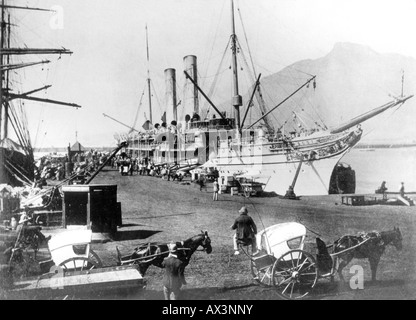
(16, 157)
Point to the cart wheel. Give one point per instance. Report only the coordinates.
(95, 259)
(295, 274)
(247, 193)
(81, 263)
(262, 274)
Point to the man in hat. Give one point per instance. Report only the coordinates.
(26, 235)
(173, 277)
(246, 231)
(24, 229)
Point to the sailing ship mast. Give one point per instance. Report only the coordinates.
(7, 115)
(2, 72)
(6, 51)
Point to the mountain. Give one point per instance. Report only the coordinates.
(350, 80)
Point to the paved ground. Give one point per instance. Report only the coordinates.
(156, 210)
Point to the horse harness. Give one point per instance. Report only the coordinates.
(348, 243)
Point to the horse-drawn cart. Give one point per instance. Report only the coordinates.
(283, 263)
(72, 269)
(148, 254)
(248, 186)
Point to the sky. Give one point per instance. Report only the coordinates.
(107, 71)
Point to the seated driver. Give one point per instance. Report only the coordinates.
(246, 231)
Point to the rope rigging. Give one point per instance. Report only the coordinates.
(213, 87)
(17, 128)
(157, 99)
(253, 73)
(259, 95)
(138, 109)
(213, 44)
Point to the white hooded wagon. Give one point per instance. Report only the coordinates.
(282, 262)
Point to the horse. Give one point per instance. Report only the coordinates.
(372, 248)
(149, 254)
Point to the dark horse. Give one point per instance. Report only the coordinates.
(372, 249)
(153, 253)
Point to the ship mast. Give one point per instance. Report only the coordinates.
(4, 73)
(148, 78)
(8, 116)
(237, 99)
(6, 51)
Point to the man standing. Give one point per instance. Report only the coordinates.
(201, 182)
(383, 190)
(216, 187)
(246, 231)
(173, 278)
(402, 189)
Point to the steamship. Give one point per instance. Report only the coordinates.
(306, 162)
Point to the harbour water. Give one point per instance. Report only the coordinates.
(393, 165)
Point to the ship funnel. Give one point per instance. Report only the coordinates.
(191, 102)
(171, 104)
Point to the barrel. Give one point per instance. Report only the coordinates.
(69, 167)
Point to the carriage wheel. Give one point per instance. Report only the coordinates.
(81, 263)
(263, 276)
(95, 259)
(247, 193)
(295, 274)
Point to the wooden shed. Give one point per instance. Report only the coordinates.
(94, 206)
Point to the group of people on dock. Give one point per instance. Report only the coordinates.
(53, 166)
(146, 167)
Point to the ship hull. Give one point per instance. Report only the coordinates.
(313, 178)
(307, 165)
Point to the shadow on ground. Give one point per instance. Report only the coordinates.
(272, 194)
(186, 294)
(134, 235)
(168, 215)
(127, 225)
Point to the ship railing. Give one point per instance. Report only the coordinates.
(286, 144)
